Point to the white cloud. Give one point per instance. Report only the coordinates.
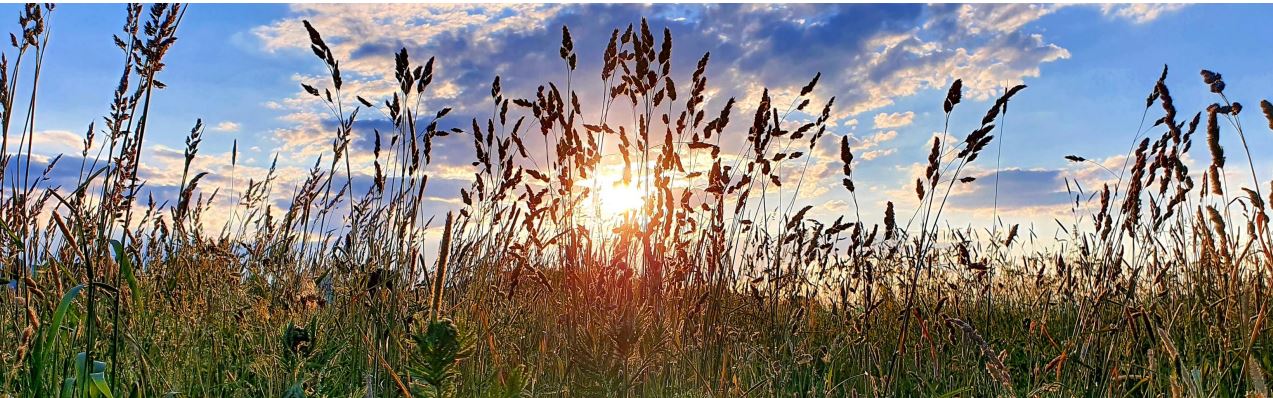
(977, 19)
(365, 37)
(1139, 13)
(904, 51)
(55, 142)
(894, 120)
(349, 28)
(869, 147)
(226, 127)
(984, 45)
(876, 153)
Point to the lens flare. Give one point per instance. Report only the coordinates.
(618, 199)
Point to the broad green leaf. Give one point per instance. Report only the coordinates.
(12, 236)
(126, 267)
(99, 384)
(60, 314)
(68, 386)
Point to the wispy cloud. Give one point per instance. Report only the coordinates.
(226, 127)
(1141, 12)
(1016, 188)
(894, 120)
(53, 142)
(871, 57)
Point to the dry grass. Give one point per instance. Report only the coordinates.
(718, 286)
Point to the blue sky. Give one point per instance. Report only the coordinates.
(1088, 67)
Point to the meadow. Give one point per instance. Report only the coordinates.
(716, 283)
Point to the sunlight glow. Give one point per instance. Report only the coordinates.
(617, 199)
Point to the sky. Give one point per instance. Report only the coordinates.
(1088, 69)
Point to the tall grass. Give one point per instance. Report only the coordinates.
(720, 284)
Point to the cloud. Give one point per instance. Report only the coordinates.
(1139, 13)
(1017, 189)
(893, 120)
(363, 33)
(777, 46)
(869, 55)
(56, 142)
(874, 140)
(226, 127)
(876, 153)
(872, 53)
(978, 19)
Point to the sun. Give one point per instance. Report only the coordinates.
(617, 199)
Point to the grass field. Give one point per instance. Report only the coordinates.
(714, 282)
